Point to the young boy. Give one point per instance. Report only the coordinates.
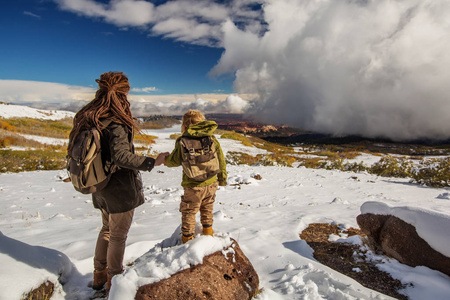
(203, 170)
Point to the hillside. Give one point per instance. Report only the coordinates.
(48, 230)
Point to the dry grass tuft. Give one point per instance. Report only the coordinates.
(43, 292)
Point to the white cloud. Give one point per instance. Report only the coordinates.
(234, 105)
(130, 13)
(186, 30)
(179, 104)
(191, 21)
(49, 95)
(118, 12)
(144, 90)
(28, 13)
(21, 91)
(376, 68)
(207, 10)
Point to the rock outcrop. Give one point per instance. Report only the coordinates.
(223, 275)
(400, 240)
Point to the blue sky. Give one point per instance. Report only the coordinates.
(42, 42)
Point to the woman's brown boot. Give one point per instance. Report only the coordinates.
(100, 278)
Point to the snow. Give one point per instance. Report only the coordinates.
(49, 231)
(166, 144)
(430, 225)
(46, 140)
(367, 159)
(165, 259)
(19, 111)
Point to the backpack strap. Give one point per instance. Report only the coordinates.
(206, 144)
(104, 123)
(187, 143)
(96, 135)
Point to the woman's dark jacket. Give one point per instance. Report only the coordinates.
(124, 191)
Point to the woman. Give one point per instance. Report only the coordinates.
(110, 113)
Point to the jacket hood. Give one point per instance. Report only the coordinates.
(205, 128)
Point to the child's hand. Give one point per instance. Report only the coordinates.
(161, 158)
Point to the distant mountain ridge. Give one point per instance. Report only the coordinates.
(8, 111)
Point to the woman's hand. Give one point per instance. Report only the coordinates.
(161, 158)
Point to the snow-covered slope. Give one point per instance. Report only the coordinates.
(20, 111)
(44, 220)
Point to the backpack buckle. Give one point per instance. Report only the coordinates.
(206, 149)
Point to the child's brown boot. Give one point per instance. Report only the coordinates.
(185, 239)
(208, 231)
(100, 278)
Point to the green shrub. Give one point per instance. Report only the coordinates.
(311, 163)
(328, 153)
(237, 137)
(239, 158)
(31, 160)
(251, 141)
(355, 167)
(433, 172)
(390, 166)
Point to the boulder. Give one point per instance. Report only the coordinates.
(400, 240)
(223, 275)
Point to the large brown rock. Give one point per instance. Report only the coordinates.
(400, 240)
(223, 275)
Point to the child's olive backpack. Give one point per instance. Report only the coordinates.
(85, 165)
(199, 157)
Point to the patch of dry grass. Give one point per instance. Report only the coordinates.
(48, 128)
(349, 259)
(43, 292)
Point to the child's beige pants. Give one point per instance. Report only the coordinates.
(193, 200)
(111, 240)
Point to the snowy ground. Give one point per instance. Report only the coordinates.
(165, 143)
(49, 229)
(20, 111)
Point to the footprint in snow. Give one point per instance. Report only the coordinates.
(445, 196)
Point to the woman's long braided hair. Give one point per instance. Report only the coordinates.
(110, 103)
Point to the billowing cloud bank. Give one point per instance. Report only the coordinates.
(378, 68)
(233, 104)
(46, 95)
(49, 95)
